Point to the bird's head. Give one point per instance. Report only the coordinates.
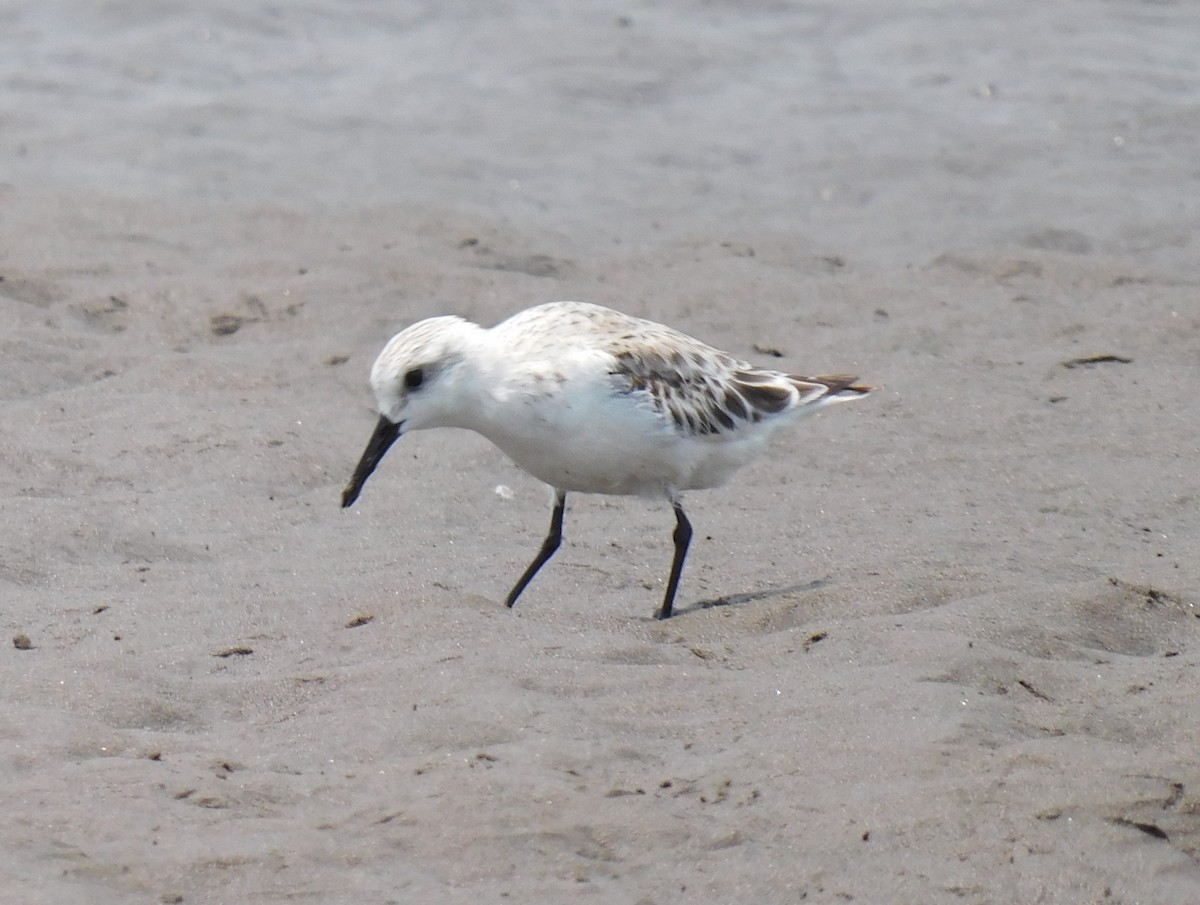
(416, 384)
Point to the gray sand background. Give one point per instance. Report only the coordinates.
(942, 646)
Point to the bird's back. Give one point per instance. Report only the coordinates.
(626, 405)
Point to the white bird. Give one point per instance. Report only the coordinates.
(588, 399)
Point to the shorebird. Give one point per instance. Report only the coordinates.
(589, 400)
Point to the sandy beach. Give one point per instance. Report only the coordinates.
(941, 646)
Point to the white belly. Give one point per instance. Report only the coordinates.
(617, 448)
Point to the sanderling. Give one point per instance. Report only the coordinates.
(588, 399)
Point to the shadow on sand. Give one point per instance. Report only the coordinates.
(750, 596)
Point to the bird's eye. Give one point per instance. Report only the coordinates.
(414, 378)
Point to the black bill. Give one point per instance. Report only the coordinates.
(386, 433)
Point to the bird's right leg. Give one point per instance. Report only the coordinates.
(682, 537)
(549, 545)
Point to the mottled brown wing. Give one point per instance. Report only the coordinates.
(703, 392)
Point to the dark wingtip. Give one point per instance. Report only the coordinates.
(837, 386)
(840, 383)
(349, 495)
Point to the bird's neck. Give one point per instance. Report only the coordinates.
(467, 385)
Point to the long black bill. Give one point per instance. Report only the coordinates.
(386, 433)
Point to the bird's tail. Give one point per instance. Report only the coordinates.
(830, 388)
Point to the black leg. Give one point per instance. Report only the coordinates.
(549, 545)
(682, 537)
